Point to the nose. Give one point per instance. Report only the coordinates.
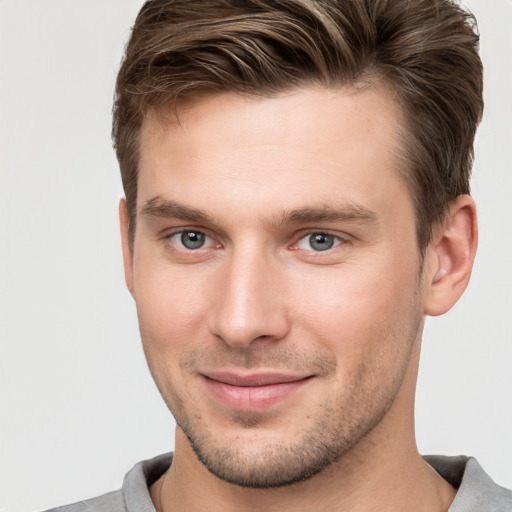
(250, 302)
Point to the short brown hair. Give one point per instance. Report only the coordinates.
(426, 50)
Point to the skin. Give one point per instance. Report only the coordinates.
(258, 177)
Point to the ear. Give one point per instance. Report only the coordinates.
(449, 257)
(126, 246)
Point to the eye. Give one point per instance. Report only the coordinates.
(191, 239)
(318, 242)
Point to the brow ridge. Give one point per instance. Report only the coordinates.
(159, 207)
(327, 213)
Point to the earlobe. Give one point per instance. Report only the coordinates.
(126, 245)
(450, 257)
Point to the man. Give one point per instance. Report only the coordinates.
(297, 178)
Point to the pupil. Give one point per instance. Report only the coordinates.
(192, 239)
(321, 242)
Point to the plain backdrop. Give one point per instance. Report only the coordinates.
(78, 407)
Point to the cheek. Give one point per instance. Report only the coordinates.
(166, 294)
(170, 312)
(169, 329)
(370, 328)
(360, 315)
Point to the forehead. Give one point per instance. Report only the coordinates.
(297, 113)
(310, 145)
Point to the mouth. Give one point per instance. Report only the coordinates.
(252, 392)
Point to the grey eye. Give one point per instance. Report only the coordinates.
(318, 242)
(321, 241)
(192, 239)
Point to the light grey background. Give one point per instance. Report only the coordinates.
(78, 407)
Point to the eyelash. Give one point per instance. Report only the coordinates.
(336, 240)
(170, 236)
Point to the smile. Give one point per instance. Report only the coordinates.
(255, 392)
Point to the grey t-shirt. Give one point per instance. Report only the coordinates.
(476, 491)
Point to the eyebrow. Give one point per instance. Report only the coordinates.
(351, 212)
(160, 208)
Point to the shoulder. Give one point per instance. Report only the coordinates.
(134, 496)
(110, 502)
(477, 492)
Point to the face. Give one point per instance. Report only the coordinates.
(277, 277)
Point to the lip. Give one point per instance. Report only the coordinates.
(252, 392)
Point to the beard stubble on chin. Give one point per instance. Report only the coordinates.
(332, 429)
